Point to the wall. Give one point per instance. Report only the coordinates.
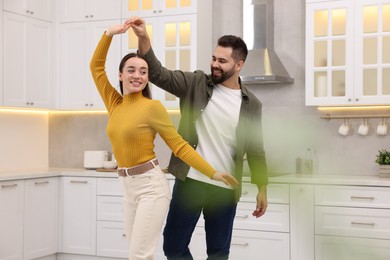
(289, 126)
(23, 140)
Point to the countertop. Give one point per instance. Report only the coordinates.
(326, 179)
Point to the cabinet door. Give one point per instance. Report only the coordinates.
(329, 53)
(27, 62)
(78, 41)
(174, 43)
(372, 41)
(79, 215)
(39, 9)
(41, 217)
(11, 220)
(89, 10)
(302, 222)
(150, 8)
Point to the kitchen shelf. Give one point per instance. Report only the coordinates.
(330, 117)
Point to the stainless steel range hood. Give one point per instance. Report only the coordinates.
(262, 65)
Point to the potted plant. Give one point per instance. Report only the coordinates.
(383, 159)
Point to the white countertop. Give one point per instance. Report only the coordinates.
(328, 179)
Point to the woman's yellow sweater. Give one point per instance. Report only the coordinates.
(134, 121)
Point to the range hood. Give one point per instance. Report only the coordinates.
(262, 65)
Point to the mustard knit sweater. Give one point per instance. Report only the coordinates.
(134, 121)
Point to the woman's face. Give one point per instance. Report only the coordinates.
(134, 75)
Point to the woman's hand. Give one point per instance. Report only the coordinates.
(226, 178)
(117, 29)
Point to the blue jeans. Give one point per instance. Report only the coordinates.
(189, 198)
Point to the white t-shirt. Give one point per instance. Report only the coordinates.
(216, 128)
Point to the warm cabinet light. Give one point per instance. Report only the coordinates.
(21, 110)
(355, 108)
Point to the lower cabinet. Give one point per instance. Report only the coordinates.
(28, 219)
(352, 222)
(79, 215)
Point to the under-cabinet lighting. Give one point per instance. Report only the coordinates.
(355, 108)
(21, 110)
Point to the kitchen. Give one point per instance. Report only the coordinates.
(40, 139)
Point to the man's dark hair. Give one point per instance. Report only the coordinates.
(240, 51)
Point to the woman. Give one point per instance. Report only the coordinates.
(134, 121)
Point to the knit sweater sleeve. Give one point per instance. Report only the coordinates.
(161, 122)
(97, 65)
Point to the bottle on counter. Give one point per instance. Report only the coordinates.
(308, 162)
(298, 165)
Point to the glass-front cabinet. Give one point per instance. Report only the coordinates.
(148, 8)
(173, 37)
(347, 52)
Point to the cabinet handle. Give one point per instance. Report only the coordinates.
(241, 216)
(123, 235)
(363, 223)
(244, 192)
(82, 182)
(239, 243)
(9, 185)
(91, 16)
(361, 198)
(41, 182)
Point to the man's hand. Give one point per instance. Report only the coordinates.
(139, 29)
(262, 203)
(226, 178)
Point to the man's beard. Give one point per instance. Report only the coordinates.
(223, 77)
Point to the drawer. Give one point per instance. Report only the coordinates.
(276, 193)
(111, 239)
(109, 208)
(108, 187)
(331, 248)
(247, 244)
(352, 196)
(276, 218)
(355, 222)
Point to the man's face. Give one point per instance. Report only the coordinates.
(222, 65)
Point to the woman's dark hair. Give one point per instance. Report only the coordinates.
(146, 91)
(240, 50)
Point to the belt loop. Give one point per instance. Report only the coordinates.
(152, 161)
(128, 175)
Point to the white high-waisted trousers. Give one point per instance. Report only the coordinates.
(146, 200)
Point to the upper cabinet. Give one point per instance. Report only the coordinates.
(150, 8)
(82, 25)
(27, 62)
(89, 10)
(39, 9)
(347, 52)
(173, 29)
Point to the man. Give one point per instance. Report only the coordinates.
(222, 120)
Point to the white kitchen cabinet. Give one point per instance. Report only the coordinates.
(39, 9)
(28, 221)
(40, 217)
(150, 8)
(347, 52)
(111, 238)
(268, 235)
(79, 215)
(89, 10)
(179, 30)
(78, 42)
(27, 61)
(11, 220)
(302, 221)
(352, 222)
